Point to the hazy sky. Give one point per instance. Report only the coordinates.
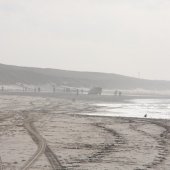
(116, 36)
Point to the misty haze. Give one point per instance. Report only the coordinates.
(84, 85)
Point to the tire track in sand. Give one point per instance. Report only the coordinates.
(41, 143)
(107, 148)
(161, 144)
(43, 148)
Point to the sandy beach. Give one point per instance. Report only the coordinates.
(40, 133)
(84, 85)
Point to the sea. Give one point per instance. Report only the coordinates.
(139, 108)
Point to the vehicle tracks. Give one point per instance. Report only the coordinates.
(43, 148)
(161, 144)
(41, 143)
(53, 160)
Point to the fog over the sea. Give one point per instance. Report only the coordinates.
(115, 36)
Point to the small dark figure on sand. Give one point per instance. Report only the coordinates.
(145, 115)
(39, 89)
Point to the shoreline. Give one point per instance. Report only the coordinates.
(89, 98)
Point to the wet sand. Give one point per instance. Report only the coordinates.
(81, 142)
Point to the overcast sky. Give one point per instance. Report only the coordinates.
(115, 36)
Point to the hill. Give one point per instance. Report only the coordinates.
(38, 76)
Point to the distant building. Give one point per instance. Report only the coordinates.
(95, 91)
